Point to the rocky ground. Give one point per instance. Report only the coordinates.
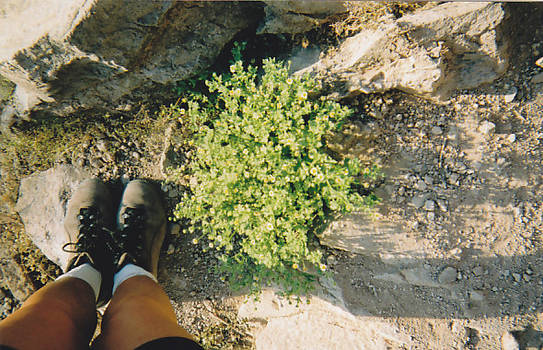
(450, 259)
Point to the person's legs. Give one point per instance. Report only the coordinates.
(139, 312)
(61, 315)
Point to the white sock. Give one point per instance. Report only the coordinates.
(130, 270)
(88, 274)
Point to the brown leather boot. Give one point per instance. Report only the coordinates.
(88, 225)
(141, 225)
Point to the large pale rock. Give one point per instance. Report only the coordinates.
(42, 202)
(428, 53)
(89, 54)
(318, 325)
(364, 234)
(297, 16)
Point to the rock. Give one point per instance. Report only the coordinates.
(448, 275)
(476, 296)
(538, 78)
(436, 130)
(297, 16)
(86, 54)
(171, 249)
(487, 128)
(360, 233)
(478, 271)
(539, 62)
(42, 202)
(429, 205)
(418, 201)
(516, 276)
(511, 138)
(442, 205)
(509, 342)
(322, 324)
(427, 53)
(509, 97)
(421, 185)
(419, 277)
(14, 279)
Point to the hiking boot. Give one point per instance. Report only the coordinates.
(88, 222)
(141, 225)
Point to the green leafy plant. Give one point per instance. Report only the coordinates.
(263, 180)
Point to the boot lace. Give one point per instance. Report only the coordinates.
(92, 236)
(131, 233)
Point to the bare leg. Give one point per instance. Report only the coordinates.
(140, 311)
(61, 315)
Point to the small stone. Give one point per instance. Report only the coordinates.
(418, 201)
(448, 275)
(509, 342)
(436, 130)
(539, 62)
(509, 97)
(421, 185)
(96, 163)
(175, 228)
(511, 138)
(429, 180)
(136, 155)
(516, 276)
(478, 271)
(171, 249)
(101, 145)
(442, 205)
(429, 205)
(476, 296)
(526, 277)
(125, 179)
(538, 78)
(453, 179)
(487, 128)
(331, 260)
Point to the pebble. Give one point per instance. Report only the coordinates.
(511, 95)
(442, 205)
(125, 179)
(539, 62)
(428, 179)
(516, 276)
(171, 249)
(511, 138)
(478, 271)
(476, 296)
(453, 179)
(101, 145)
(421, 185)
(526, 277)
(487, 128)
(448, 275)
(429, 205)
(136, 155)
(418, 201)
(538, 78)
(436, 130)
